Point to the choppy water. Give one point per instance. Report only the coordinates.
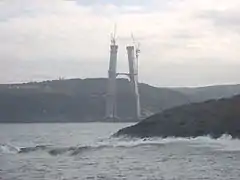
(86, 151)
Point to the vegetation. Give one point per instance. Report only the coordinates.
(78, 100)
(83, 100)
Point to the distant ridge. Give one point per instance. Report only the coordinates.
(200, 94)
(83, 100)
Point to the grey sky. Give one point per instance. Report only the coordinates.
(183, 42)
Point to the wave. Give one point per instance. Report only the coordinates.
(224, 143)
(9, 149)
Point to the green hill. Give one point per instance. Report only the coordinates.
(78, 100)
(201, 94)
(83, 100)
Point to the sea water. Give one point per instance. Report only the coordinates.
(87, 151)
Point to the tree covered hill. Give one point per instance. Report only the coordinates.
(78, 100)
(83, 100)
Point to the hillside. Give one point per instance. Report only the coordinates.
(78, 100)
(201, 94)
(214, 118)
(83, 100)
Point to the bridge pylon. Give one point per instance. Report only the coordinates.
(111, 101)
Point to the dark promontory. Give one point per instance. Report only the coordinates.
(214, 118)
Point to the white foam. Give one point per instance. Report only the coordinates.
(229, 144)
(224, 143)
(8, 149)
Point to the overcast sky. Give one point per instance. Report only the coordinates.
(183, 42)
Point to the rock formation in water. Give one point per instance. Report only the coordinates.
(214, 118)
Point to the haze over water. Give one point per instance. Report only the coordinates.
(86, 151)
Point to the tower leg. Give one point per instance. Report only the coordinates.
(133, 74)
(111, 89)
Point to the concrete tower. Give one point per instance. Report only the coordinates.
(112, 74)
(133, 75)
(111, 103)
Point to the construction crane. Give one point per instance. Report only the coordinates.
(137, 51)
(113, 35)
